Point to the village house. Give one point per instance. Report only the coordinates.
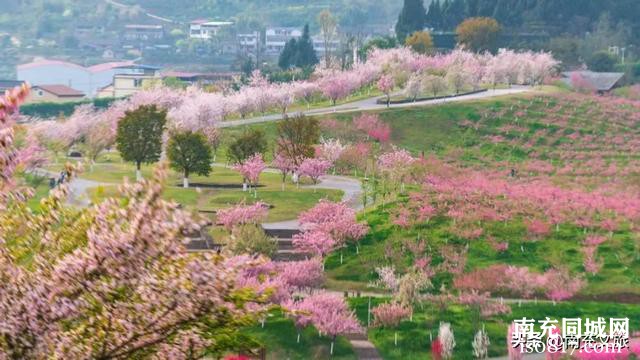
(205, 29)
(56, 93)
(138, 32)
(277, 37)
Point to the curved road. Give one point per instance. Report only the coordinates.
(351, 188)
(371, 104)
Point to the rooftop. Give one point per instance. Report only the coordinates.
(601, 81)
(211, 23)
(146, 27)
(186, 74)
(60, 90)
(94, 69)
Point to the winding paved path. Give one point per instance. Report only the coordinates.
(371, 104)
(351, 188)
(78, 188)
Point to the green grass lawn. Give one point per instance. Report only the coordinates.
(40, 185)
(279, 336)
(221, 189)
(414, 336)
(619, 275)
(432, 129)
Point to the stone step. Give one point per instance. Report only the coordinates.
(288, 246)
(281, 233)
(289, 255)
(363, 348)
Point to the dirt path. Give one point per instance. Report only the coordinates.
(364, 349)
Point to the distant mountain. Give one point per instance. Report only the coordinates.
(285, 12)
(48, 18)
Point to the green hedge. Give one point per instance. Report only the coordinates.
(47, 109)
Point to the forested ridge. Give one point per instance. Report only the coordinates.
(573, 16)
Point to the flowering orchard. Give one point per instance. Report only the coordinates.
(71, 274)
(532, 198)
(194, 109)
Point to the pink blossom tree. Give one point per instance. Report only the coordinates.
(302, 275)
(314, 242)
(314, 168)
(371, 125)
(214, 138)
(381, 133)
(96, 140)
(105, 265)
(395, 165)
(335, 219)
(283, 96)
(560, 285)
(327, 312)
(580, 83)
(242, 214)
(390, 315)
(251, 169)
(285, 165)
(336, 87)
(333, 317)
(330, 150)
(386, 85)
(302, 312)
(306, 90)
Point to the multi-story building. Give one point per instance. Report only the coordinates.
(249, 43)
(205, 30)
(137, 32)
(134, 80)
(277, 37)
(319, 45)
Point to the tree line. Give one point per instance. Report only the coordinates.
(574, 16)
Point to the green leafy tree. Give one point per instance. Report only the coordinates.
(420, 41)
(478, 34)
(601, 61)
(139, 135)
(411, 19)
(174, 83)
(383, 42)
(305, 53)
(249, 143)
(251, 239)
(434, 16)
(288, 55)
(189, 152)
(297, 137)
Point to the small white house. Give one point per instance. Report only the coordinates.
(249, 42)
(277, 37)
(318, 44)
(205, 30)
